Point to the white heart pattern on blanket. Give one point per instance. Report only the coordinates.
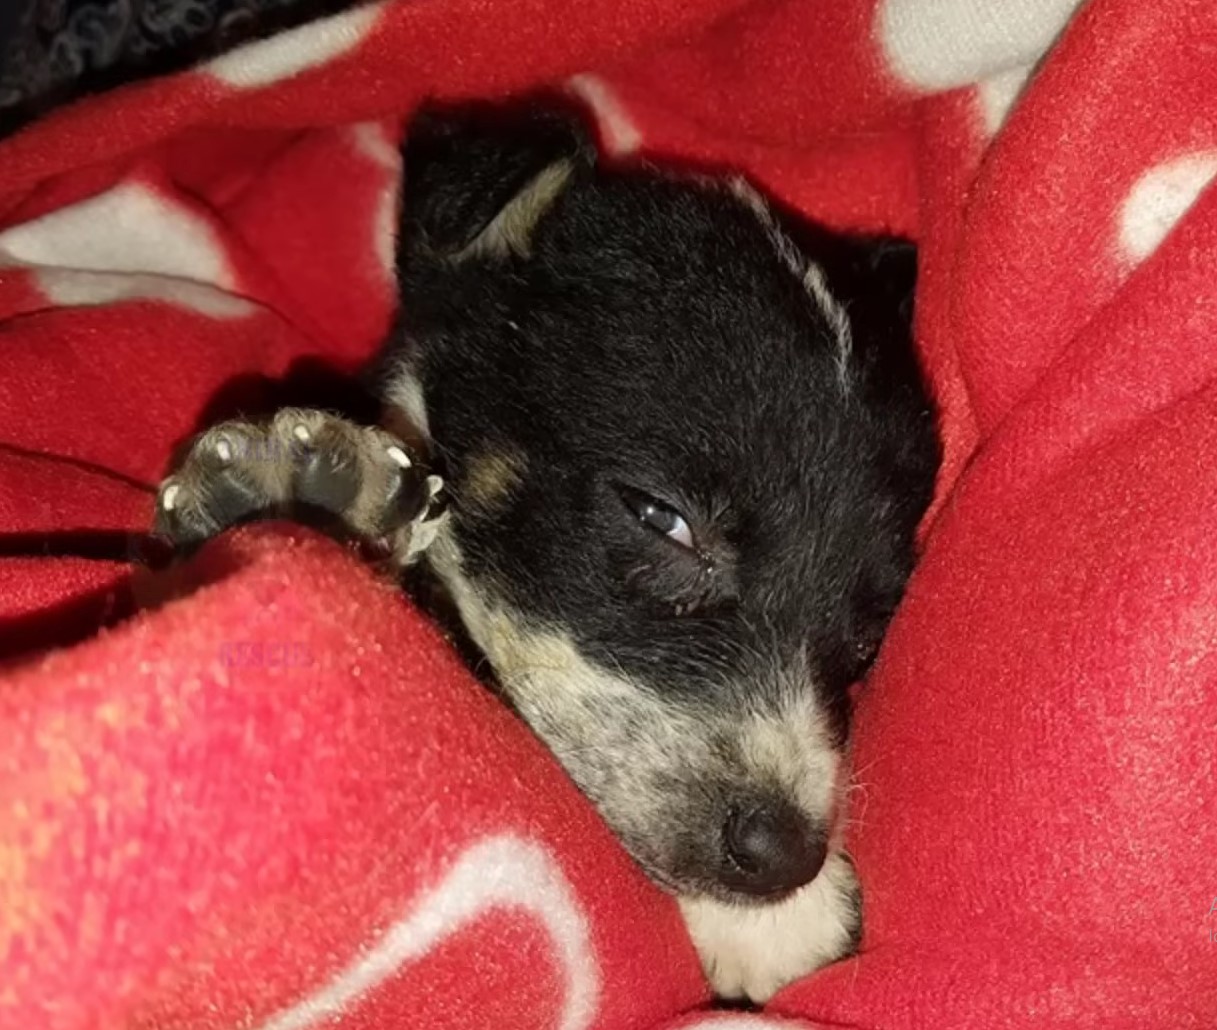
(500, 871)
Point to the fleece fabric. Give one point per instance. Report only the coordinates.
(262, 792)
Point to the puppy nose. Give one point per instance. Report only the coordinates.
(772, 848)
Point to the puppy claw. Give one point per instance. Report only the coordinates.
(397, 455)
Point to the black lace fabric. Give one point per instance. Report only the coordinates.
(54, 50)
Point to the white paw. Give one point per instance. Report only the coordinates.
(754, 951)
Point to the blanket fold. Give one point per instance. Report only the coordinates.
(261, 791)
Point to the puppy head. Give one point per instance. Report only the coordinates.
(686, 460)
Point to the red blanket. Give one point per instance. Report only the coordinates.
(278, 800)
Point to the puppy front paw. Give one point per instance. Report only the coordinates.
(307, 465)
(754, 951)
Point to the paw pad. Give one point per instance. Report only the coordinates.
(355, 481)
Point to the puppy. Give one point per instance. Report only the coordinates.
(683, 459)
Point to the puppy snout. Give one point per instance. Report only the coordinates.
(771, 848)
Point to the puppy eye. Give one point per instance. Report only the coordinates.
(659, 517)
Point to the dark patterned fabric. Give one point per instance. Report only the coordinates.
(53, 50)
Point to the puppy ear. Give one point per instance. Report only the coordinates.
(479, 176)
(872, 280)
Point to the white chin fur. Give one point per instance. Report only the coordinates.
(753, 951)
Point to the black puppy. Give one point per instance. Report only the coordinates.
(683, 459)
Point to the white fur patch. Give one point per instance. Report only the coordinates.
(940, 44)
(406, 393)
(529, 663)
(815, 284)
(498, 872)
(751, 199)
(791, 748)
(754, 951)
(1159, 199)
(296, 50)
(129, 228)
(422, 536)
(621, 135)
(510, 231)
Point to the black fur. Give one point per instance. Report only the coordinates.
(685, 459)
(652, 342)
